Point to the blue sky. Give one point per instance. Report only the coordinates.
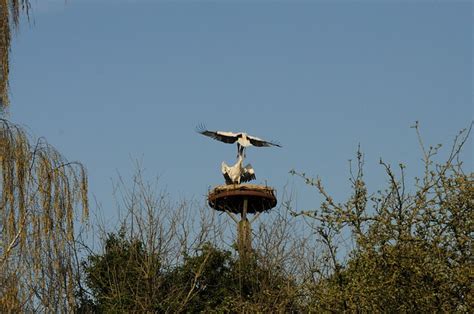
(107, 82)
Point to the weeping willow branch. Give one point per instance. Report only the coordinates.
(10, 11)
(41, 194)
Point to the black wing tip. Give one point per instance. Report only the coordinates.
(262, 143)
(275, 143)
(201, 128)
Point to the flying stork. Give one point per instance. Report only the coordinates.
(243, 139)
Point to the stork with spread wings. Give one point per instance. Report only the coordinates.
(237, 173)
(243, 139)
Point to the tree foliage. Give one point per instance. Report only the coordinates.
(40, 193)
(163, 260)
(412, 248)
(210, 280)
(10, 11)
(125, 277)
(407, 249)
(401, 248)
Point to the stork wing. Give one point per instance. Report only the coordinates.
(228, 180)
(226, 137)
(255, 141)
(248, 177)
(248, 174)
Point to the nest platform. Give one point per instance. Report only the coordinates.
(231, 198)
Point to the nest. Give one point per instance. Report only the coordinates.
(231, 198)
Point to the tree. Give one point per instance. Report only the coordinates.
(412, 248)
(41, 195)
(125, 277)
(210, 280)
(10, 11)
(159, 262)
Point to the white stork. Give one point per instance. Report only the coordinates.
(236, 173)
(243, 139)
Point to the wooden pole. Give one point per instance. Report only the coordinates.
(244, 240)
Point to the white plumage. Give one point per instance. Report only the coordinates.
(236, 174)
(243, 139)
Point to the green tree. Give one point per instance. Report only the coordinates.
(210, 280)
(165, 258)
(412, 248)
(214, 280)
(125, 277)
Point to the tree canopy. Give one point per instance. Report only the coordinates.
(401, 248)
(42, 194)
(412, 247)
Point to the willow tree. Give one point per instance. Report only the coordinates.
(10, 11)
(41, 198)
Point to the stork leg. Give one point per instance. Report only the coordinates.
(241, 151)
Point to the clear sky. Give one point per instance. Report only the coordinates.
(110, 81)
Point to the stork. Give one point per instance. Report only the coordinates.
(236, 174)
(243, 139)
